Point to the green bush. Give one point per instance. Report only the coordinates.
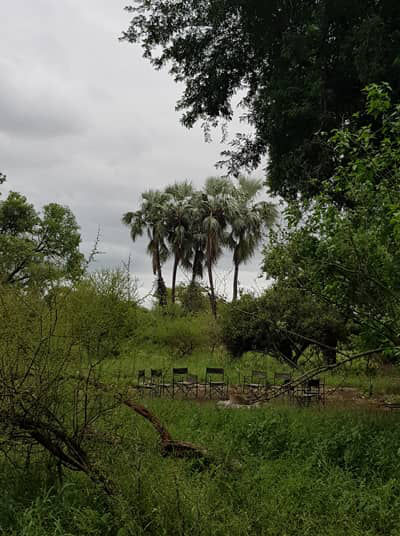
(103, 312)
(281, 322)
(193, 298)
(181, 335)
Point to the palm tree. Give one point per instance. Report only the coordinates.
(198, 238)
(151, 218)
(248, 223)
(214, 210)
(179, 227)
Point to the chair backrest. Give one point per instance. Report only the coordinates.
(192, 378)
(314, 383)
(258, 374)
(179, 372)
(141, 375)
(283, 377)
(156, 373)
(213, 371)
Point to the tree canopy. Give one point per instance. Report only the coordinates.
(283, 322)
(194, 226)
(299, 66)
(348, 257)
(151, 218)
(36, 248)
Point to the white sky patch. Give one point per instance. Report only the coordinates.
(85, 121)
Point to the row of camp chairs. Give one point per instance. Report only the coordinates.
(182, 383)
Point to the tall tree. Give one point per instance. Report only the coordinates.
(301, 66)
(179, 227)
(348, 257)
(215, 208)
(151, 218)
(248, 223)
(37, 248)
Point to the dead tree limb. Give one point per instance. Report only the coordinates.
(62, 446)
(169, 446)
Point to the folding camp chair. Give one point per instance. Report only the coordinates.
(158, 384)
(255, 383)
(142, 385)
(216, 382)
(184, 383)
(310, 391)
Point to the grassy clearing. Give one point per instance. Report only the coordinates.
(385, 381)
(275, 471)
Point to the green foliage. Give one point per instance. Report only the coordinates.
(284, 322)
(51, 351)
(38, 248)
(276, 471)
(264, 461)
(193, 298)
(301, 66)
(195, 225)
(181, 335)
(343, 250)
(214, 210)
(151, 218)
(179, 221)
(103, 312)
(248, 224)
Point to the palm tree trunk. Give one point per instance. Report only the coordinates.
(161, 288)
(213, 300)
(194, 270)
(174, 271)
(195, 267)
(235, 281)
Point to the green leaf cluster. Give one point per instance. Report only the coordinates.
(344, 248)
(38, 248)
(299, 68)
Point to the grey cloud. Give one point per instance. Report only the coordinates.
(34, 104)
(85, 121)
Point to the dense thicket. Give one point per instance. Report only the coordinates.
(283, 322)
(355, 491)
(300, 67)
(348, 257)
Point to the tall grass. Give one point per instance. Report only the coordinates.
(274, 471)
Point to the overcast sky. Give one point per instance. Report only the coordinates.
(85, 121)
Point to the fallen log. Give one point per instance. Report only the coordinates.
(169, 446)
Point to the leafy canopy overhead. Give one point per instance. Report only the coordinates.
(299, 65)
